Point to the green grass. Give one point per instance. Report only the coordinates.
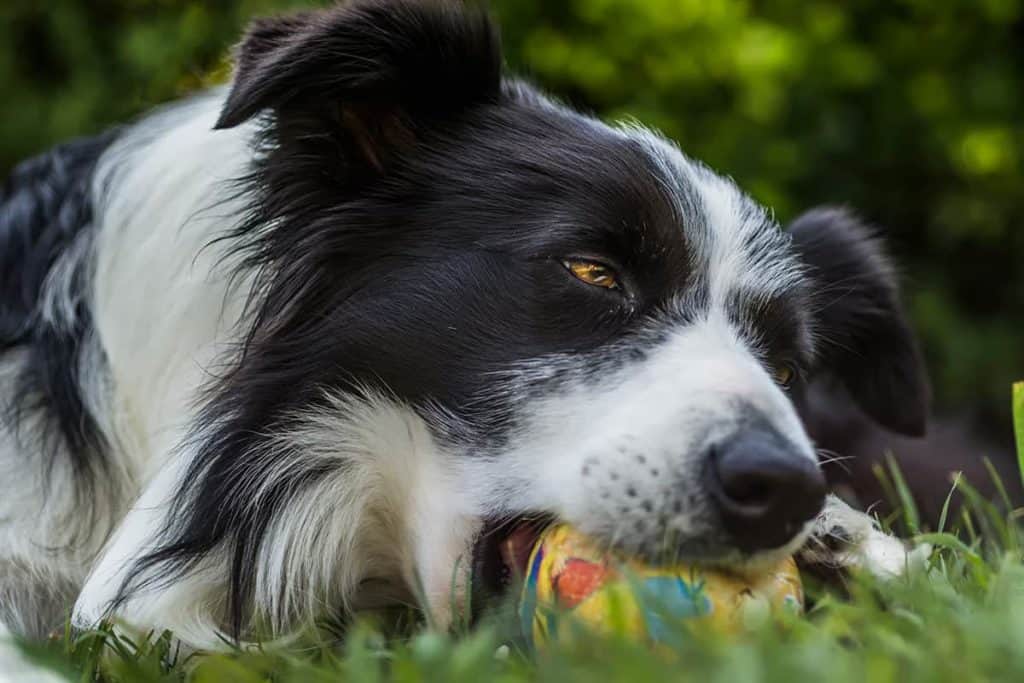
(1018, 423)
(962, 620)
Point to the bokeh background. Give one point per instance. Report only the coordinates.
(910, 111)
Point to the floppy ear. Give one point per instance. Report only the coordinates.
(371, 68)
(863, 336)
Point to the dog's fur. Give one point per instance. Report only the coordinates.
(282, 350)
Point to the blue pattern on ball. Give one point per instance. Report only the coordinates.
(670, 599)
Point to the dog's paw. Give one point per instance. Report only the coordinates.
(846, 539)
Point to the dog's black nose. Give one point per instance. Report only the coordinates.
(764, 489)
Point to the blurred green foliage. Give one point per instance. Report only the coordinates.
(910, 111)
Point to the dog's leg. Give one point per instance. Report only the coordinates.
(185, 604)
(442, 565)
(843, 538)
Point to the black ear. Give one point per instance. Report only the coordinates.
(863, 336)
(374, 66)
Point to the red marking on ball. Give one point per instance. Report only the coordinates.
(578, 580)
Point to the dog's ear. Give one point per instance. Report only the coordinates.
(373, 68)
(864, 338)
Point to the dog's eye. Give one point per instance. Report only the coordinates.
(593, 273)
(784, 376)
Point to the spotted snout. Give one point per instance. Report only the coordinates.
(750, 489)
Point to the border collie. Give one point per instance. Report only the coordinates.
(334, 336)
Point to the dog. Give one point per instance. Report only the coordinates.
(342, 333)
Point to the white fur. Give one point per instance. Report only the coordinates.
(392, 517)
(737, 241)
(166, 317)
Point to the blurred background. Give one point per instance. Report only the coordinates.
(910, 111)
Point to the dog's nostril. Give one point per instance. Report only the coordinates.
(747, 487)
(764, 490)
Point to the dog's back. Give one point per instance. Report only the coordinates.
(45, 208)
(109, 306)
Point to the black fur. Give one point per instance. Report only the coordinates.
(865, 340)
(45, 206)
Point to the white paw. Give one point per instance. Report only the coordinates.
(886, 556)
(844, 538)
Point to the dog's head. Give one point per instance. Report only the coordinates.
(591, 325)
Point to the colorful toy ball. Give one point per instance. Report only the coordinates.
(569, 579)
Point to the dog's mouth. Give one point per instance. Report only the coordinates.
(501, 555)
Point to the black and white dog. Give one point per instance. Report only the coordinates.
(332, 337)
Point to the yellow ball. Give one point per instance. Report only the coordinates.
(568, 576)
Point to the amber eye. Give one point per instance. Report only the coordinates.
(784, 375)
(593, 273)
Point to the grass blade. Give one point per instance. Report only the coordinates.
(945, 506)
(1018, 422)
(905, 497)
(997, 481)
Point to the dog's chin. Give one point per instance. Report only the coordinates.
(501, 556)
(746, 563)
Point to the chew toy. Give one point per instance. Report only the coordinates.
(569, 578)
